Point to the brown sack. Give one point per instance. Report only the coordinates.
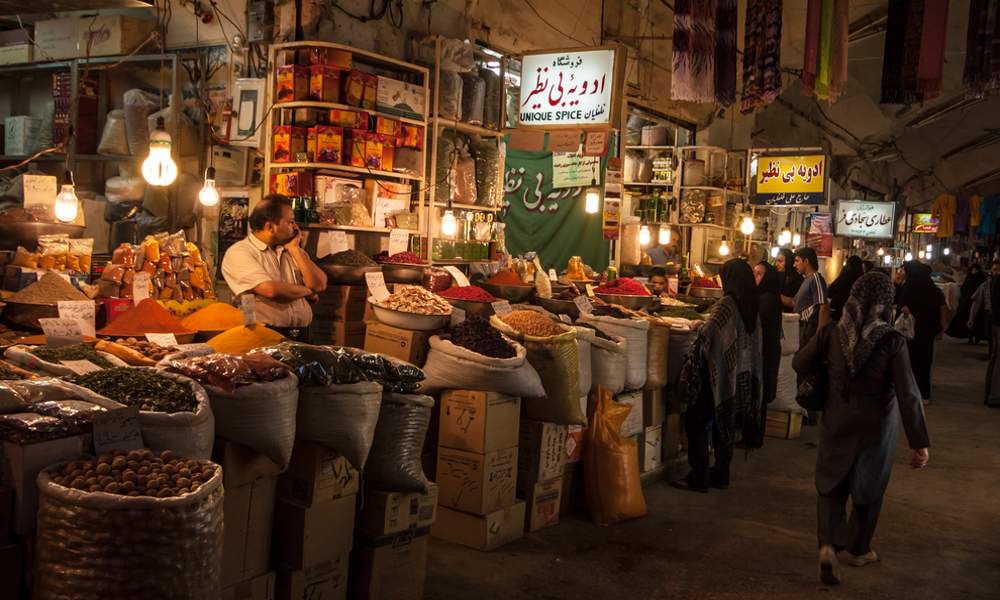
(611, 465)
(656, 356)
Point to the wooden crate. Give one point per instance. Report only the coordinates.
(784, 425)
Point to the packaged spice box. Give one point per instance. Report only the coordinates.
(324, 83)
(360, 89)
(288, 141)
(340, 59)
(387, 126)
(329, 144)
(349, 119)
(293, 83)
(292, 183)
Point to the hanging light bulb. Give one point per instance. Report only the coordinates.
(159, 167)
(796, 239)
(887, 260)
(880, 251)
(448, 223)
(920, 254)
(67, 202)
(786, 236)
(664, 235)
(930, 255)
(209, 195)
(946, 251)
(747, 226)
(908, 257)
(593, 198)
(930, 248)
(644, 235)
(774, 252)
(723, 247)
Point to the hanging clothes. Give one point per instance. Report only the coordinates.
(824, 69)
(693, 77)
(725, 52)
(962, 215)
(902, 51)
(975, 206)
(761, 55)
(944, 209)
(988, 216)
(982, 60)
(811, 45)
(930, 67)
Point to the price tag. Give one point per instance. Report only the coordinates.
(248, 304)
(81, 310)
(460, 279)
(566, 319)
(399, 241)
(590, 290)
(376, 285)
(338, 241)
(195, 349)
(61, 332)
(457, 315)
(141, 286)
(501, 308)
(81, 367)
(586, 308)
(162, 339)
(672, 286)
(117, 430)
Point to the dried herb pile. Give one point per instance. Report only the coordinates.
(476, 334)
(71, 352)
(140, 387)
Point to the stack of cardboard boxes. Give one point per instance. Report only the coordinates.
(405, 344)
(477, 469)
(540, 464)
(339, 316)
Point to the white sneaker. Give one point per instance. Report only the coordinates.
(860, 561)
(829, 568)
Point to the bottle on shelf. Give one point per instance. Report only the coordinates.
(611, 273)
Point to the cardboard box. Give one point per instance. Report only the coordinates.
(329, 144)
(292, 82)
(541, 504)
(410, 346)
(316, 474)
(541, 453)
(478, 421)
(304, 537)
(324, 581)
(400, 98)
(389, 513)
(21, 465)
(6, 512)
(77, 37)
(324, 83)
(390, 567)
(16, 37)
(654, 407)
(258, 588)
(242, 465)
(633, 423)
(486, 532)
(288, 141)
(14, 55)
(651, 453)
(575, 436)
(246, 546)
(343, 302)
(476, 483)
(349, 119)
(338, 333)
(783, 425)
(21, 135)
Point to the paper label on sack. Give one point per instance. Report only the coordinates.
(399, 241)
(566, 319)
(376, 285)
(457, 315)
(590, 290)
(39, 194)
(195, 349)
(248, 304)
(81, 310)
(162, 339)
(117, 429)
(141, 285)
(81, 367)
(460, 279)
(501, 308)
(584, 305)
(61, 332)
(338, 241)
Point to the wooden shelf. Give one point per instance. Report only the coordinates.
(337, 106)
(650, 184)
(468, 206)
(460, 261)
(370, 57)
(346, 169)
(468, 128)
(708, 225)
(57, 157)
(709, 188)
(319, 227)
(649, 147)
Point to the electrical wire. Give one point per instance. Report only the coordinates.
(553, 27)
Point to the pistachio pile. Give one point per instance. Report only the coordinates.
(136, 473)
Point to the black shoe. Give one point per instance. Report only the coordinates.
(685, 484)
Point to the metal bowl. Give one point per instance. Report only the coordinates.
(705, 292)
(405, 320)
(511, 293)
(558, 288)
(14, 234)
(347, 275)
(403, 273)
(27, 315)
(473, 307)
(559, 307)
(182, 338)
(628, 301)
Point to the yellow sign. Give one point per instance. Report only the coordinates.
(786, 179)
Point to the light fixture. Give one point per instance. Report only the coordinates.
(887, 260)
(723, 247)
(66, 202)
(930, 248)
(786, 234)
(664, 235)
(920, 254)
(159, 167)
(448, 223)
(209, 195)
(880, 251)
(774, 252)
(644, 235)
(930, 255)
(593, 198)
(946, 251)
(908, 257)
(796, 239)
(747, 226)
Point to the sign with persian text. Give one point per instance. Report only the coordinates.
(778, 179)
(864, 219)
(567, 88)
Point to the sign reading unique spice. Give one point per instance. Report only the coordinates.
(399, 241)
(141, 285)
(162, 339)
(376, 285)
(567, 88)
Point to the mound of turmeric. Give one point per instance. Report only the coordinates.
(240, 340)
(214, 317)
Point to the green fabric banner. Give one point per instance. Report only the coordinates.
(551, 222)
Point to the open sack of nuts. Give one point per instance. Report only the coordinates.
(130, 525)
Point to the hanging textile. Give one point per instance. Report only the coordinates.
(988, 215)
(930, 67)
(725, 52)
(914, 51)
(693, 76)
(838, 59)
(809, 60)
(824, 68)
(943, 209)
(761, 54)
(982, 60)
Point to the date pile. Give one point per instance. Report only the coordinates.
(136, 473)
(148, 349)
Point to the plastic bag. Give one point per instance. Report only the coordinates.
(493, 99)
(448, 144)
(75, 412)
(114, 141)
(394, 463)
(658, 350)
(407, 160)
(81, 252)
(487, 173)
(635, 332)
(98, 546)
(125, 189)
(473, 96)
(329, 365)
(21, 356)
(450, 94)
(453, 367)
(342, 417)
(53, 251)
(463, 176)
(789, 333)
(138, 105)
(25, 258)
(611, 465)
(906, 325)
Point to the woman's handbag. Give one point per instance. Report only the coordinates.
(814, 386)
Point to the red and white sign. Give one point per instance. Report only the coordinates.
(567, 88)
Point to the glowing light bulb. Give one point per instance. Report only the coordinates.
(920, 254)
(448, 223)
(908, 257)
(880, 252)
(747, 226)
(930, 255)
(930, 248)
(644, 235)
(946, 251)
(209, 195)
(785, 237)
(887, 260)
(723, 247)
(159, 167)
(796, 239)
(664, 235)
(593, 198)
(66, 204)
(774, 252)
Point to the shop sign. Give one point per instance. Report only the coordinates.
(864, 219)
(611, 214)
(819, 237)
(573, 170)
(567, 88)
(779, 179)
(924, 223)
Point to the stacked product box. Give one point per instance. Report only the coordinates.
(540, 466)
(339, 316)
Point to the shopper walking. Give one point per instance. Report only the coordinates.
(840, 289)
(987, 306)
(980, 317)
(769, 287)
(721, 379)
(959, 327)
(790, 278)
(811, 299)
(870, 385)
(919, 297)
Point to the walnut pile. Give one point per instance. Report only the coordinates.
(136, 473)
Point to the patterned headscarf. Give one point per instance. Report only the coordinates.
(867, 318)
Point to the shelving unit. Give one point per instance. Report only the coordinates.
(346, 169)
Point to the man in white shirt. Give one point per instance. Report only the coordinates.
(270, 264)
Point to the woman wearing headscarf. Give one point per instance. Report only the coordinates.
(790, 278)
(959, 323)
(721, 378)
(769, 287)
(918, 296)
(870, 386)
(986, 306)
(840, 289)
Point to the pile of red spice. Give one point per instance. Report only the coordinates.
(406, 258)
(469, 292)
(623, 286)
(704, 282)
(506, 277)
(146, 317)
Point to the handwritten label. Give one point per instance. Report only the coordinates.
(39, 190)
(501, 308)
(338, 241)
(399, 241)
(80, 367)
(141, 285)
(162, 339)
(596, 143)
(566, 319)
(376, 285)
(195, 349)
(117, 430)
(584, 305)
(673, 285)
(81, 310)
(248, 304)
(61, 332)
(590, 290)
(572, 170)
(460, 279)
(457, 315)
(564, 141)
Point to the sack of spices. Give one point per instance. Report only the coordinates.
(635, 332)
(658, 344)
(341, 417)
(584, 342)
(450, 366)
(607, 363)
(51, 361)
(124, 545)
(611, 465)
(394, 463)
(450, 94)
